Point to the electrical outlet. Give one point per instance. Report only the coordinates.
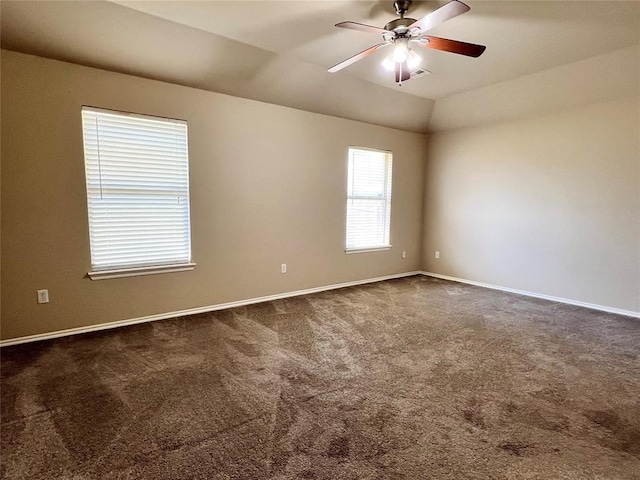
(283, 268)
(43, 296)
(437, 254)
(404, 254)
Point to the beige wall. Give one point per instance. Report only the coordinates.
(267, 187)
(548, 203)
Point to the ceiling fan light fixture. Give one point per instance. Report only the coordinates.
(412, 58)
(401, 50)
(389, 63)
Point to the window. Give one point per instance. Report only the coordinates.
(368, 199)
(137, 172)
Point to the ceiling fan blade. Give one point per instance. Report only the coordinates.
(362, 27)
(453, 46)
(444, 13)
(355, 58)
(402, 72)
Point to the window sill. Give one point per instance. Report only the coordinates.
(135, 272)
(367, 249)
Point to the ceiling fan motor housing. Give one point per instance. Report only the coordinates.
(399, 25)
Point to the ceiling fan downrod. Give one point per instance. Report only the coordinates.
(402, 7)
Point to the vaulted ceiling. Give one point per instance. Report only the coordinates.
(279, 51)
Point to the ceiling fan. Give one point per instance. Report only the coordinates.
(406, 32)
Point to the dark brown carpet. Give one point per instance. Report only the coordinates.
(407, 379)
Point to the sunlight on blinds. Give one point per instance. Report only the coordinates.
(368, 199)
(137, 173)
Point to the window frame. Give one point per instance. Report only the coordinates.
(98, 272)
(387, 198)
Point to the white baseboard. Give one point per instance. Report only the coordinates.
(593, 306)
(268, 298)
(192, 311)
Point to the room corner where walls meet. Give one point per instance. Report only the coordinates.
(543, 199)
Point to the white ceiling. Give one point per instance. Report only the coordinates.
(521, 36)
(278, 51)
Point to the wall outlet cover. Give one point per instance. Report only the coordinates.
(43, 296)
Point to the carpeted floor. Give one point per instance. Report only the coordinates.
(414, 378)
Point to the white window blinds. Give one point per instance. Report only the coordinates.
(137, 173)
(368, 199)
